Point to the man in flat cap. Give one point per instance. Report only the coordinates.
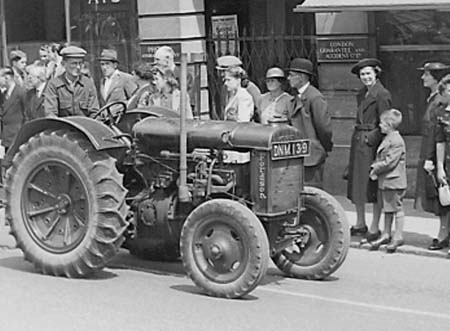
(115, 85)
(309, 114)
(71, 93)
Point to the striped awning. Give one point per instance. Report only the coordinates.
(318, 6)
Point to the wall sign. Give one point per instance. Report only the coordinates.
(341, 49)
(225, 28)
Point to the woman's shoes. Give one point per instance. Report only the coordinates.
(392, 247)
(370, 237)
(375, 245)
(437, 244)
(358, 231)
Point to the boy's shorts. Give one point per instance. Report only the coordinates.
(391, 200)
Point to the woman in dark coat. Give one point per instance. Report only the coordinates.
(373, 99)
(437, 108)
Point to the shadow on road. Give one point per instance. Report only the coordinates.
(124, 260)
(18, 263)
(192, 289)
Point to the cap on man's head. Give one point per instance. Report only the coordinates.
(301, 65)
(227, 61)
(432, 66)
(73, 52)
(16, 54)
(108, 55)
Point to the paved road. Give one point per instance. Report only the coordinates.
(371, 291)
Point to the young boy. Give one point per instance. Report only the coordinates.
(389, 168)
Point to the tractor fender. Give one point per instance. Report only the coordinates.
(101, 136)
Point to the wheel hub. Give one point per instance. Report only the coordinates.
(64, 203)
(216, 252)
(55, 207)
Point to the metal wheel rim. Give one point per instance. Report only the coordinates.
(55, 206)
(220, 253)
(319, 243)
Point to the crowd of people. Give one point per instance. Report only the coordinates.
(377, 166)
(59, 84)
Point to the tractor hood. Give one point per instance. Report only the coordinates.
(164, 133)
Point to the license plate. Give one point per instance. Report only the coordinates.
(290, 149)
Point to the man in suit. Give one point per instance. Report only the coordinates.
(71, 93)
(309, 114)
(36, 81)
(116, 85)
(13, 109)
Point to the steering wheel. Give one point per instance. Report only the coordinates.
(112, 117)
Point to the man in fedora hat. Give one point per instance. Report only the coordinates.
(115, 85)
(71, 93)
(309, 114)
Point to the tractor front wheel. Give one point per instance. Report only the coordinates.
(224, 248)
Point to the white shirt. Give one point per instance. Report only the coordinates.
(9, 90)
(107, 85)
(40, 89)
(302, 89)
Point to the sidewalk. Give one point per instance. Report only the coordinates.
(420, 229)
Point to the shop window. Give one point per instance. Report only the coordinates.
(413, 27)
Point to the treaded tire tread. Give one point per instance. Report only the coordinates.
(339, 242)
(108, 209)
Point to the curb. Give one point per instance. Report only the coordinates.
(406, 249)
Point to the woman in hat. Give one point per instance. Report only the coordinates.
(435, 77)
(240, 106)
(275, 104)
(372, 100)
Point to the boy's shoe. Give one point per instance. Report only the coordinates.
(437, 244)
(392, 247)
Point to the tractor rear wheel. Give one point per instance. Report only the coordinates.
(224, 248)
(329, 240)
(65, 203)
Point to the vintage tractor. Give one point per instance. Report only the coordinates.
(227, 201)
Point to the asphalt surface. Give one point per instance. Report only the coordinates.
(371, 291)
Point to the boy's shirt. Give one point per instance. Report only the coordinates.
(390, 162)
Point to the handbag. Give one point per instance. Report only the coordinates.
(345, 173)
(444, 195)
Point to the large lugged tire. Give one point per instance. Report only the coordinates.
(329, 242)
(224, 248)
(66, 204)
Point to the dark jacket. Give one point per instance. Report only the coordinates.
(35, 105)
(390, 163)
(364, 143)
(309, 114)
(12, 115)
(371, 104)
